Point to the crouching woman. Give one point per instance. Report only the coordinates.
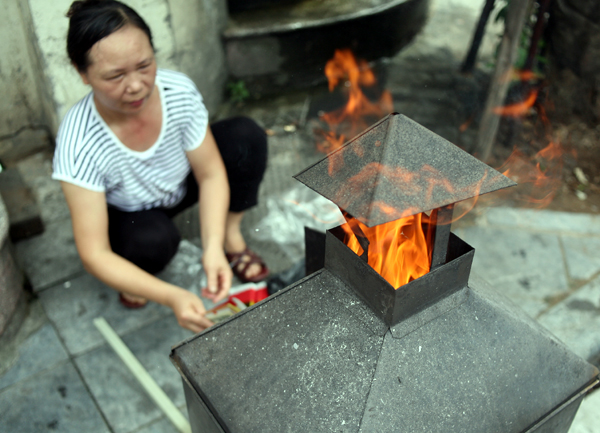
(137, 150)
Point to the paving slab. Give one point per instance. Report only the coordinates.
(285, 216)
(289, 153)
(526, 267)
(41, 351)
(123, 401)
(576, 320)
(163, 425)
(54, 400)
(36, 172)
(541, 220)
(582, 256)
(50, 257)
(30, 319)
(185, 270)
(73, 306)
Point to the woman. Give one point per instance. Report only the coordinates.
(136, 151)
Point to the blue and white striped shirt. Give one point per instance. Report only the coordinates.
(90, 155)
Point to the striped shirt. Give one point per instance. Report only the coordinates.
(90, 155)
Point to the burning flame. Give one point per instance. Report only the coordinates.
(400, 251)
(397, 250)
(353, 118)
(538, 177)
(421, 184)
(518, 109)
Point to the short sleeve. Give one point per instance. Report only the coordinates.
(76, 142)
(198, 124)
(184, 106)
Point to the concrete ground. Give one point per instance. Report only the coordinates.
(60, 375)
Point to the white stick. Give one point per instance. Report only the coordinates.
(140, 373)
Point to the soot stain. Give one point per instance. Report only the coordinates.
(522, 253)
(582, 305)
(62, 390)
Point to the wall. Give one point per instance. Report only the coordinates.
(186, 34)
(197, 28)
(26, 104)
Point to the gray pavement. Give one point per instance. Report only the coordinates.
(60, 375)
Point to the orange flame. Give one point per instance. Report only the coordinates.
(398, 250)
(354, 117)
(422, 184)
(518, 109)
(538, 177)
(466, 124)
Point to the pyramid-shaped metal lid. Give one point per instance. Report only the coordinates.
(399, 168)
(473, 363)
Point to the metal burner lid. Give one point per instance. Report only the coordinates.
(313, 358)
(399, 168)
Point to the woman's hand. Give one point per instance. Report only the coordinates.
(213, 200)
(189, 311)
(218, 274)
(90, 229)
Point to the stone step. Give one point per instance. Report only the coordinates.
(26, 142)
(287, 47)
(23, 211)
(12, 305)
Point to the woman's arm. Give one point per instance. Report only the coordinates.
(213, 187)
(90, 228)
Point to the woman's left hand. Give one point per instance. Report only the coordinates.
(218, 274)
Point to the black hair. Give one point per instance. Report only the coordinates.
(92, 20)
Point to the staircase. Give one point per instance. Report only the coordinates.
(275, 45)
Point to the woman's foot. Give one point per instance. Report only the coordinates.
(247, 266)
(132, 301)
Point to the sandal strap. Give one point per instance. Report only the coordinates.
(240, 267)
(236, 258)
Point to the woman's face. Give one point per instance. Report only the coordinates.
(122, 71)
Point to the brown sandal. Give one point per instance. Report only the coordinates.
(239, 266)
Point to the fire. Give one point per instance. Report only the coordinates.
(538, 177)
(518, 109)
(355, 116)
(421, 184)
(397, 250)
(400, 250)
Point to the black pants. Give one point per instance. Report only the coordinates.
(149, 238)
